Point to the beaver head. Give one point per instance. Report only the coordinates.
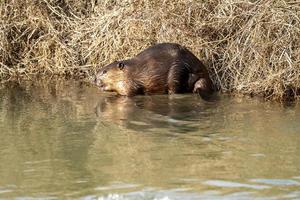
(112, 77)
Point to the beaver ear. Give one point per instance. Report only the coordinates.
(121, 65)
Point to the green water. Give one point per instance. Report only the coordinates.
(67, 140)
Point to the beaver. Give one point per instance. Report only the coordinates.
(165, 68)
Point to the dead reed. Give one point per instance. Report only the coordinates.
(250, 47)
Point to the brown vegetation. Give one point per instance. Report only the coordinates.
(250, 47)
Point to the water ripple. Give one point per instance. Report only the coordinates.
(220, 183)
(115, 186)
(277, 182)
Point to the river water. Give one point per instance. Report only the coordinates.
(67, 140)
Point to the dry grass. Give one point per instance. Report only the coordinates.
(250, 47)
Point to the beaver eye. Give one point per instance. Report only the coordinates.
(104, 72)
(121, 66)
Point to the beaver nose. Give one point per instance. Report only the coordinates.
(98, 82)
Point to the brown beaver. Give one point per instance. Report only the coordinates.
(165, 68)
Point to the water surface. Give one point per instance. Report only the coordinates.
(67, 140)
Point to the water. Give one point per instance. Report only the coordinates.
(67, 140)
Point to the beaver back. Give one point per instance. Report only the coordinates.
(151, 67)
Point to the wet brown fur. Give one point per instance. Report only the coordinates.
(160, 69)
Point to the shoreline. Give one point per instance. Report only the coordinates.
(42, 80)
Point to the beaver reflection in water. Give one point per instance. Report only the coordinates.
(165, 68)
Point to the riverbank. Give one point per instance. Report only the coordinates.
(249, 48)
